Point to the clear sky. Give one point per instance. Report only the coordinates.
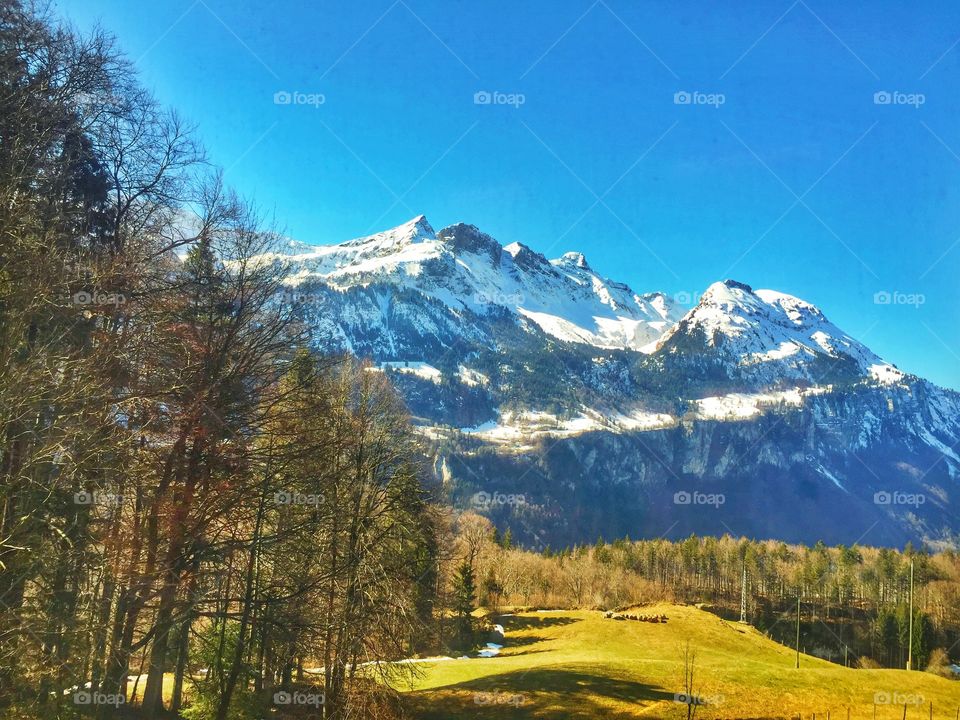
(784, 170)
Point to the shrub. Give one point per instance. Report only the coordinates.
(939, 663)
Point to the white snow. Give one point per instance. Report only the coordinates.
(413, 367)
(833, 478)
(639, 419)
(738, 406)
(472, 377)
(771, 335)
(886, 374)
(774, 335)
(936, 444)
(515, 427)
(522, 427)
(491, 650)
(564, 297)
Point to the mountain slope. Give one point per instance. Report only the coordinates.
(599, 405)
(768, 336)
(467, 270)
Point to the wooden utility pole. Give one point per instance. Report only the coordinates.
(910, 646)
(743, 595)
(798, 630)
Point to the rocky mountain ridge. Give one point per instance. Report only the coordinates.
(508, 360)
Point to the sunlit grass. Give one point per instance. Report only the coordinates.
(576, 664)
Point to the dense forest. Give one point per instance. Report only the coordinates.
(201, 516)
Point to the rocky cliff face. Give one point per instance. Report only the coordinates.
(612, 412)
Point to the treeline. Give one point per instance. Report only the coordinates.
(193, 507)
(853, 600)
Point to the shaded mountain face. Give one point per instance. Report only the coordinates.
(567, 406)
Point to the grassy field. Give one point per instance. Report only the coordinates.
(577, 664)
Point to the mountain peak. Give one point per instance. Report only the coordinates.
(736, 284)
(464, 238)
(574, 258)
(772, 335)
(524, 257)
(726, 295)
(415, 230)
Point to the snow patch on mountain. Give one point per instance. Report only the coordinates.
(742, 406)
(520, 429)
(418, 368)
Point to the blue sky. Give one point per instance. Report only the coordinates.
(784, 171)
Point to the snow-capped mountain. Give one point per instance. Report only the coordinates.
(599, 404)
(467, 270)
(771, 337)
